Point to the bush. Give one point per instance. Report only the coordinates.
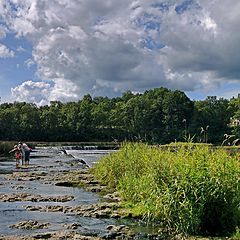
(6, 146)
(193, 189)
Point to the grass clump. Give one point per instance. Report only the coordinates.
(194, 190)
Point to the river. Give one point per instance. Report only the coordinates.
(50, 160)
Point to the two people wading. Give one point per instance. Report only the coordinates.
(22, 152)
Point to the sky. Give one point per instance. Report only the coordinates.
(64, 49)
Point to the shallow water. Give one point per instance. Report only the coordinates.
(47, 160)
(6, 166)
(53, 160)
(89, 156)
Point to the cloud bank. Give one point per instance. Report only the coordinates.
(106, 47)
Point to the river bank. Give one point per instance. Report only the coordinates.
(56, 197)
(41, 201)
(187, 188)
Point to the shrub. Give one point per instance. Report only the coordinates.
(6, 146)
(193, 189)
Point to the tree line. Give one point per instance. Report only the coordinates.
(157, 116)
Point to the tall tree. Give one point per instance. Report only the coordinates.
(177, 107)
(212, 117)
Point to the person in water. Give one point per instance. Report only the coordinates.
(18, 154)
(25, 150)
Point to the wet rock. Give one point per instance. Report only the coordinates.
(64, 235)
(48, 208)
(97, 188)
(72, 225)
(28, 178)
(30, 225)
(101, 210)
(20, 187)
(55, 208)
(25, 176)
(43, 236)
(112, 197)
(117, 215)
(66, 184)
(119, 232)
(16, 197)
(16, 237)
(33, 208)
(56, 199)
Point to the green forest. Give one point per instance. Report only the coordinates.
(156, 116)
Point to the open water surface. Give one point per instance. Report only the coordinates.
(47, 160)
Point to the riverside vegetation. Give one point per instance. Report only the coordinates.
(185, 188)
(6, 146)
(156, 116)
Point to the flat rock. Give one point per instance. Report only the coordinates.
(72, 225)
(119, 232)
(99, 210)
(59, 235)
(19, 197)
(30, 225)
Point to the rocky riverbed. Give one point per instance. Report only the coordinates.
(56, 197)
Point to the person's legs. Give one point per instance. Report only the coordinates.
(18, 157)
(23, 157)
(27, 155)
(17, 163)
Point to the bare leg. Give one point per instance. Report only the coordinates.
(17, 163)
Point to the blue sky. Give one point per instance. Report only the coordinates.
(14, 70)
(106, 48)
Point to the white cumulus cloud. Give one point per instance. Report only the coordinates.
(42, 93)
(29, 91)
(5, 52)
(106, 47)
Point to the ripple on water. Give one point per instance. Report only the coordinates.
(52, 161)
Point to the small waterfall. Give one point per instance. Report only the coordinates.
(90, 147)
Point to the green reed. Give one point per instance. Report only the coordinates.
(193, 189)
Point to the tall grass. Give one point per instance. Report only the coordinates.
(193, 189)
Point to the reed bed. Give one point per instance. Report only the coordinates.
(191, 189)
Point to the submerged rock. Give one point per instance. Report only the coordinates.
(20, 197)
(72, 225)
(30, 224)
(119, 232)
(59, 235)
(26, 176)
